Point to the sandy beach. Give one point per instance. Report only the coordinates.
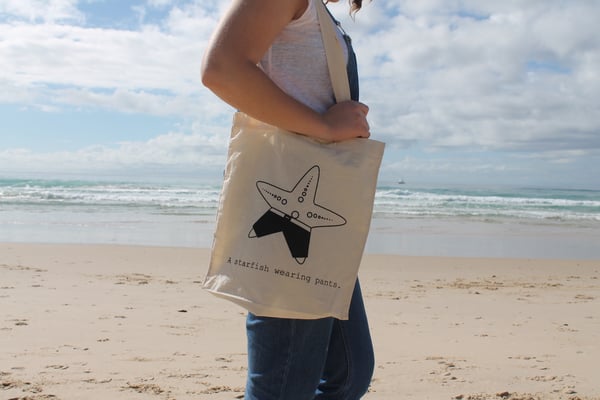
(132, 322)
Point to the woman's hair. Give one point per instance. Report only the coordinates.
(355, 5)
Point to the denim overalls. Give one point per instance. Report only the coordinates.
(322, 359)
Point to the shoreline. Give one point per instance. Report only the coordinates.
(439, 237)
(383, 242)
(127, 322)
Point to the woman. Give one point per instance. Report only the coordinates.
(266, 59)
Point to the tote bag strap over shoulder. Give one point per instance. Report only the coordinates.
(336, 61)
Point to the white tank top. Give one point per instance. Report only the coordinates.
(296, 61)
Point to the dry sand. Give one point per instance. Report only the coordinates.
(124, 322)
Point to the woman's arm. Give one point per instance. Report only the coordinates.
(230, 70)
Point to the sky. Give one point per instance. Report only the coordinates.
(462, 91)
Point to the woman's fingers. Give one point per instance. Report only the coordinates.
(348, 120)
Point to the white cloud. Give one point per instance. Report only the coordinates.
(41, 10)
(143, 102)
(511, 76)
(160, 3)
(174, 150)
(55, 54)
(153, 70)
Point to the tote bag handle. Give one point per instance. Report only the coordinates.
(336, 61)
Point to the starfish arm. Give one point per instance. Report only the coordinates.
(299, 203)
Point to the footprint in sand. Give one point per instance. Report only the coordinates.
(222, 389)
(133, 279)
(144, 388)
(63, 367)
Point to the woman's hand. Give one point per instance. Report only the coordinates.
(347, 120)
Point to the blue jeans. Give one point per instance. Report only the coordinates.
(322, 359)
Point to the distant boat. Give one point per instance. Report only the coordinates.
(401, 182)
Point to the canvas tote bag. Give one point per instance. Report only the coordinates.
(294, 214)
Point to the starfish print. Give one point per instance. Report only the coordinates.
(294, 213)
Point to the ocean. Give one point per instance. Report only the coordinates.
(408, 219)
